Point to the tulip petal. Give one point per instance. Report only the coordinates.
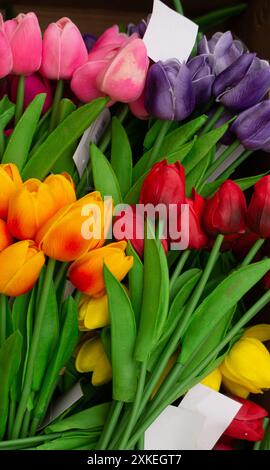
(6, 60)
(261, 332)
(213, 380)
(158, 93)
(110, 36)
(232, 75)
(226, 51)
(235, 388)
(183, 94)
(73, 52)
(84, 81)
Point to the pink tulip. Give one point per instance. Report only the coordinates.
(6, 60)
(25, 40)
(117, 66)
(138, 109)
(63, 50)
(34, 84)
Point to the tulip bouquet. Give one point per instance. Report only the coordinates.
(131, 276)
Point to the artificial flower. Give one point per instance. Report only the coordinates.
(91, 357)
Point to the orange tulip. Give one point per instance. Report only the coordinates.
(10, 180)
(29, 208)
(5, 235)
(20, 266)
(87, 272)
(62, 189)
(71, 232)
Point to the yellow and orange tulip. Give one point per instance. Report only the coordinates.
(93, 312)
(62, 189)
(5, 235)
(63, 238)
(86, 273)
(10, 181)
(29, 208)
(20, 266)
(91, 357)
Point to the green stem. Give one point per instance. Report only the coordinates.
(157, 145)
(221, 159)
(77, 297)
(218, 16)
(140, 443)
(178, 7)
(16, 444)
(227, 173)
(252, 252)
(213, 120)
(3, 319)
(183, 258)
(185, 385)
(60, 275)
(110, 425)
(25, 425)
(55, 107)
(135, 407)
(20, 99)
(33, 349)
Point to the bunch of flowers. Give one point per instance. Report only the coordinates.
(142, 295)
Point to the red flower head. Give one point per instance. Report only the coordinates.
(248, 423)
(258, 215)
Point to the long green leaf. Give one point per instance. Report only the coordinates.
(182, 280)
(105, 179)
(7, 111)
(87, 419)
(135, 277)
(123, 334)
(66, 163)
(195, 176)
(121, 156)
(21, 138)
(48, 154)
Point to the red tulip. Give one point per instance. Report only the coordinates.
(225, 212)
(129, 225)
(164, 184)
(34, 84)
(224, 443)
(197, 237)
(243, 244)
(25, 40)
(258, 215)
(248, 423)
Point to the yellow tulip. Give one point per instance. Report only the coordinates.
(5, 236)
(213, 380)
(91, 357)
(93, 312)
(62, 189)
(246, 369)
(10, 181)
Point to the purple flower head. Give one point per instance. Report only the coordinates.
(201, 69)
(224, 49)
(243, 84)
(169, 93)
(89, 40)
(139, 28)
(252, 127)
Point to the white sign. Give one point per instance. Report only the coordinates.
(169, 35)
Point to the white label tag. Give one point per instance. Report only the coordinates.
(63, 403)
(92, 134)
(169, 35)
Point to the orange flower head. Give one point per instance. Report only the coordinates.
(86, 273)
(5, 235)
(10, 181)
(62, 189)
(20, 266)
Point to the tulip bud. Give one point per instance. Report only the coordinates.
(93, 312)
(225, 212)
(20, 267)
(86, 273)
(6, 59)
(252, 127)
(248, 423)
(25, 40)
(91, 357)
(64, 50)
(258, 216)
(197, 237)
(10, 181)
(62, 189)
(223, 48)
(63, 237)
(164, 184)
(5, 236)
(34, 85)
(29, 208)
(201, 69)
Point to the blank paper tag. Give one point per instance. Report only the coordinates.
(217, 409)
(169, 35)
(92, 134)
(63, 403)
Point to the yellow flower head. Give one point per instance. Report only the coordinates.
(213, 380)
(91, 357)
(93, 312)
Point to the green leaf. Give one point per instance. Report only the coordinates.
(210, 188)
(7, 111)
(47, 339)
(246, 183)
(121, 156)
(87, 419)
(69, 443)
(123, 335)
(10, 357)
(172, 142)
(105, 179)
(195, 176)
(66, 163)
(155, 296)
(29, 325)
(202, 146)
(183, 294)
(135, 282)
(182, 280)
(217, 305)
(71, 129)
(21, 138)
(152, 134)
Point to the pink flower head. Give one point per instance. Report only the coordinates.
(6, 60)
(64, 50)
(34, 84)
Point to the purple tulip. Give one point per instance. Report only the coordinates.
(169, 93)
(224, 49)
(201, 69)
(243, 84)
(139, 28)
(252, 127)
(89, 40)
